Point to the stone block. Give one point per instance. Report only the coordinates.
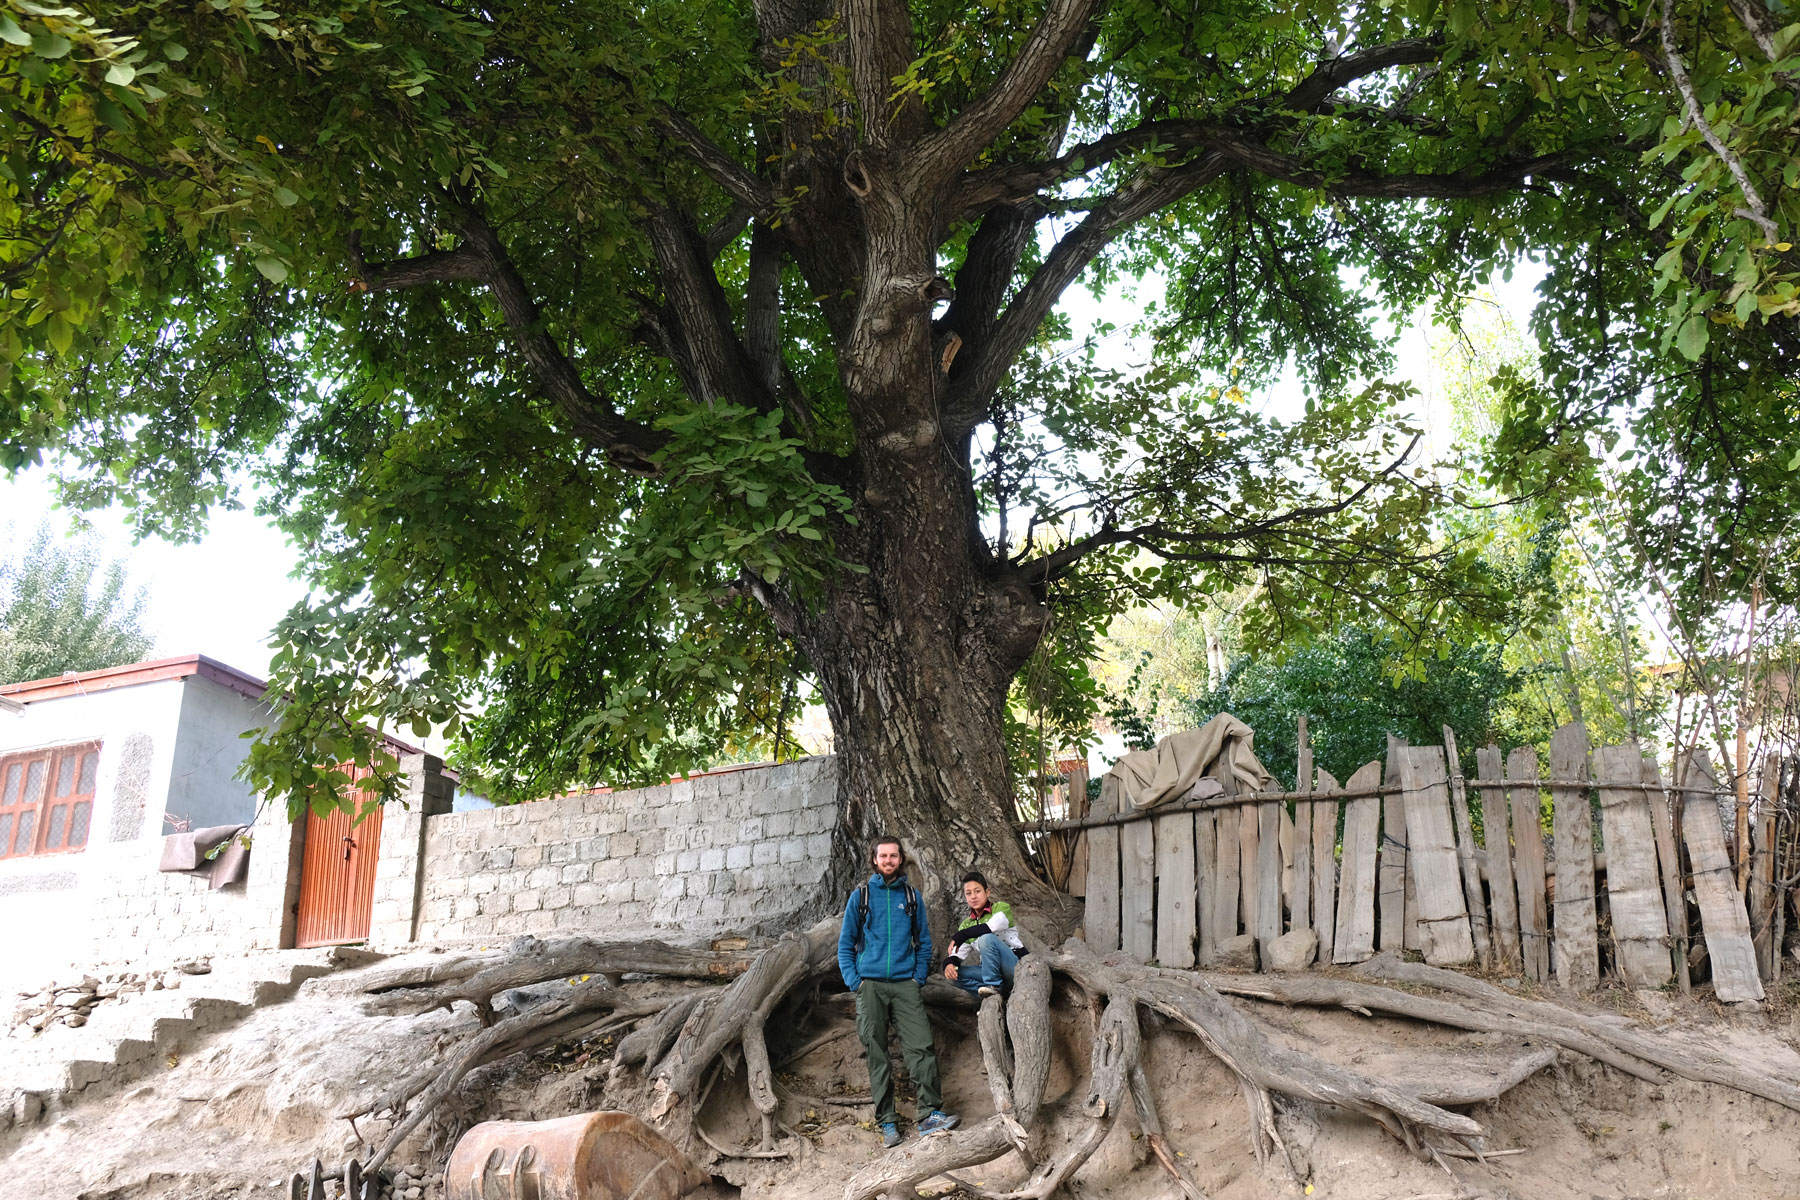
(688, 908)
(663, 864)
(495, 905)
(765, 853)
(577, 872)
(529, 900)
(779, 824)
(588, 895)
(750, 830)
(540, 877)
(712, 859)
(645, 890)
(688, 861)
(499, 860)
(1237, 953)
(527, 856)
(673, 888)
(737, 857)
(623, 846)
(464, 907)
(607, 870)
(639, 868)
(793, 850)
(541, 921)
(639, 820)
(591, 849)
(481, 885)
(609, 822)
(558, 896)
(713, 907)
(560, 853)
(1291, 951)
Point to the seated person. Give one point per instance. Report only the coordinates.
(988, 930)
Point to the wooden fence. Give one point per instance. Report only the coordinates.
(1390, 859)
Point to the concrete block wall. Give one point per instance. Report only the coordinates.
(701, 856)
(399, 869)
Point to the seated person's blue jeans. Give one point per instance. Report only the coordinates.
(998, 962)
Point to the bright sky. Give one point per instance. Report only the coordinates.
(218, 597)
(222, 595)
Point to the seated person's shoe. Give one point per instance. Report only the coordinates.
(984, 991)
(937, 1121)
(890, 1134)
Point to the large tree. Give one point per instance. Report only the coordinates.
(616, 367)
(65, 607)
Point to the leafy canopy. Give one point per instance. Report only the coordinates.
(476, 294)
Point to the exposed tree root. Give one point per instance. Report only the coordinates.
(529, 960)
(695, 1038)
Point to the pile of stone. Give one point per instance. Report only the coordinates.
(411, 1182)
(72, 1003)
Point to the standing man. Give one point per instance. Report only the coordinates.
(988, 929)
(884, 953)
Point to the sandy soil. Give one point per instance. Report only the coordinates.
(245, 1109)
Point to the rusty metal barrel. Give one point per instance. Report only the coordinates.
(589, 1156)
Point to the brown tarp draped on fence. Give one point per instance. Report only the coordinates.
(1165, 774)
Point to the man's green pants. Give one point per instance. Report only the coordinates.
(877, 1003)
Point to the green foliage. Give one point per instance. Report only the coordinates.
(1346, 686)
(195, 201)
(65, 607)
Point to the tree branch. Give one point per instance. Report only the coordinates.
(482, 259)
(939, 155)
(1757, 212)
(880, 44)
(723, 169)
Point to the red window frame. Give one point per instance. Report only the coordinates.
(47, 799)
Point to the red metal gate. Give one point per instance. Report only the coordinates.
(337, 876)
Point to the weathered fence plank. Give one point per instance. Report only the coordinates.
(1175, 890)
(1577, 936)
(1762, 895)
(1137, 890)
(1669, 859)
(1722, 915)
(1249, 859)
(1639, 922)
(1355, 938)
(1228, 874)
(1465, 852)
(1391, 892)
(1444, 934)
(1528, 864)
(1101, 924)
(1324, 867)
(1300, 896)
(1268, 874)
(1503, 899)
(1206, 874)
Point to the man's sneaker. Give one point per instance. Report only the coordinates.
(984, 991)
(937, 1121)
(890, 1134)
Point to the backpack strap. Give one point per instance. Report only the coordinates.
(862, 915)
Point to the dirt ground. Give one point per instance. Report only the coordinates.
(242, 1111)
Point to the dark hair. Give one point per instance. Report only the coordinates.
(885, 840)
(974, 877)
